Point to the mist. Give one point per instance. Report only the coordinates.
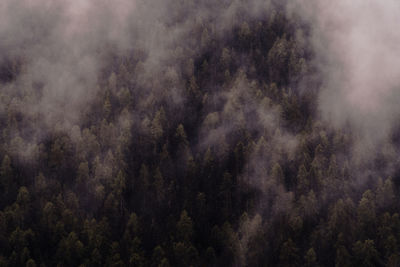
(357, 53)
(199, 133)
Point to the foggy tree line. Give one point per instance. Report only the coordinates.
(220, 159)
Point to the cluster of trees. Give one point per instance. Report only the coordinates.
(186, 168)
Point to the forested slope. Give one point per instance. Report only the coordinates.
(211, 152)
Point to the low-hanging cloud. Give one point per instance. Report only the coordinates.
(61, 45)
(357, 53)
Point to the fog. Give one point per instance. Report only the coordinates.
(269, 112)
(356, 44)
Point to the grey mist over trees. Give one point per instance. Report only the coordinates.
(356, 47)
(199, 133)
(65, 45)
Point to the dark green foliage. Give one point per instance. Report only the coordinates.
(237, 171)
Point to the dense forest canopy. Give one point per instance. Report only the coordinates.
(199, 133)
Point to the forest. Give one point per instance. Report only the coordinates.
(184, 133)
